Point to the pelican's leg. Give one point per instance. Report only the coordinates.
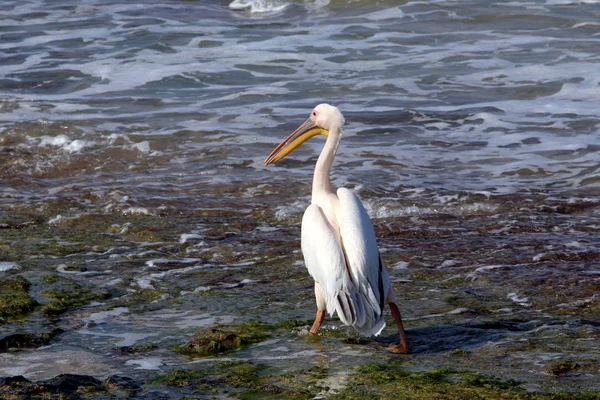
(401, 347)
(318, 322)
(321, 307)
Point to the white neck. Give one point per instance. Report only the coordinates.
(321, 183)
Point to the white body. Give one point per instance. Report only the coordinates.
(338, 241)
(339, 245)
(342, 257)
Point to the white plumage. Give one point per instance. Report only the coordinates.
(347, 266)
(338, 240)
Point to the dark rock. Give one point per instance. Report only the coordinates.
(125, 383)
(12, 381)
(70, 383)
(27, 340)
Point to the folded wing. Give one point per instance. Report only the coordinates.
(363, 259)
(346, 264)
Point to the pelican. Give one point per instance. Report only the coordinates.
(338, 240)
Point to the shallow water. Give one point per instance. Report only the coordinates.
(131, 147)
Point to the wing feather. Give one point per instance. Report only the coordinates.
(364, 262)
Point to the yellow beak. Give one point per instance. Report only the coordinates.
(304, 132)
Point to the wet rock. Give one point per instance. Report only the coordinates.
(245, 379)
(70, 383)
(12, 381)
(57, 387)
(214, 341)
(68, 386)
(27, 340)
(564, 367)
(65, 294)
(123, 385)
(136, 349)
(15, 300)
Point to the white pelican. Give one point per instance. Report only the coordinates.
(338, 240)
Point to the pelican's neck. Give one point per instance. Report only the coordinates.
(321, 183)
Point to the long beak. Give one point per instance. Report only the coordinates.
(304, 132)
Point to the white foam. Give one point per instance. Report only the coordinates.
(150, 363)
(64, 142)
(524, 301)
(189, 236)
(473, 60)
(55, 219)
(484, 269)
(142, 147)
(8, 265)
(136, 211)
(449, 263)
(156, 262)
(144, 283)
(259, 6)
(76, 146)
(401, 265)
(62, 268)
(103, 316)
(291, 210)
(59, 141)
(388, 13)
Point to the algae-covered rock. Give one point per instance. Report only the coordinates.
(122, 386)
(65, 294)
(15, 300)
(27, 340)
(68, 386)
(244, 379)
(71, 383)
(17, 283)
(563, 367)
(377, 381)
(213, 341)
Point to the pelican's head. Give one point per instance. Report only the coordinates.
(323, 119)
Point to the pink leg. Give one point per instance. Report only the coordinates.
(318, 322)
(401, 347)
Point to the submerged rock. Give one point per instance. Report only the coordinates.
(27, 340)
(213, 341)
(70, 383)
(68, 386)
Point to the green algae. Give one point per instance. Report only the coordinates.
(180, 377)
(562, 367)
(377, 381)
(247, 380)
(68, 386)
(228, 338)
(15, 304)
(15, 301)
(285, 291)
(65, 299)
(213, 341)
(17, 283)
(66, 294)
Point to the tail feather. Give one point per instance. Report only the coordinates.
(373, 318)
(345, 308)
(355, 309)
